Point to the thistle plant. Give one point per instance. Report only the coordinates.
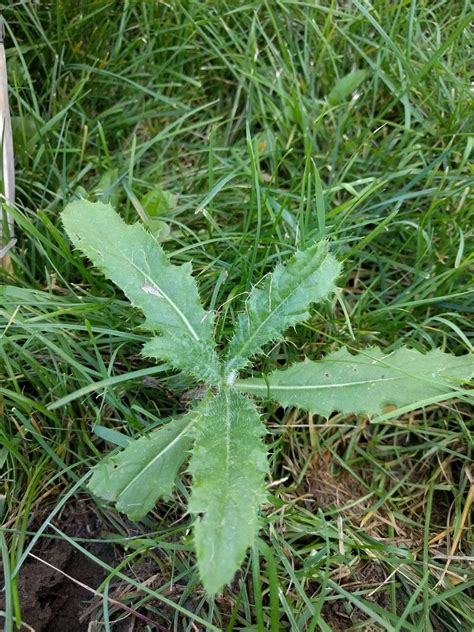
(222, 434)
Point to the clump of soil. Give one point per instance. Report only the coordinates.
(51, 601)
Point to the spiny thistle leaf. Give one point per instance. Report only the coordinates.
(228, 462)
(228, 466)
(363, 383)
(167, 294)
(281, 301)
(136, 477)
(198, 360)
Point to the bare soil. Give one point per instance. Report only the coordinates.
(51, 596)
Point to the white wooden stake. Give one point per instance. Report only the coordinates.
(6, 142)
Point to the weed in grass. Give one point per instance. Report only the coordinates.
(224, 431)
(228, 110)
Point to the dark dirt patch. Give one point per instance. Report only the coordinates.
(339, 620)
(57, 581)
(49, 600)
(341, 615)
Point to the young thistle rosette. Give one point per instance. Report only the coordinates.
(223, 432)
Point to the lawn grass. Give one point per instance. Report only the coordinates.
(232, 108)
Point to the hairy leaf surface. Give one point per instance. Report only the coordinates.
(228, 466)
(281, 301)
(135, 478)
(198, 360)
(363, 383)
(167, 294)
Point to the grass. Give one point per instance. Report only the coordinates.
(226, 106)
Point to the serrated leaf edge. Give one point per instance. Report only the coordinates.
(324, 255)
(193, 419)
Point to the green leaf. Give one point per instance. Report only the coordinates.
(133, 260)
(158, 202)
(345, 86)
(129, 255)
(198, 360)
(281, 301)
(107, 189)
(363, 383)
(159, 229)
(228, 466)
(135, 478)
(264, 143)
(111, 436)
(25, 135)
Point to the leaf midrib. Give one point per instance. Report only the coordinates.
(225, 483)
(228, 427)
(270, 315)
(168, 446)
(165, 296)
(282, 387)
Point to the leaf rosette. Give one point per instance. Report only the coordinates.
(223, 434)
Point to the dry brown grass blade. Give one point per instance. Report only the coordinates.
(8, 165)
(464, 516)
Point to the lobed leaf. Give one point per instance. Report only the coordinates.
(198, 360)
(363, 383)
(136, 477)
(282, 301)
(228, 466)
(167, 294)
